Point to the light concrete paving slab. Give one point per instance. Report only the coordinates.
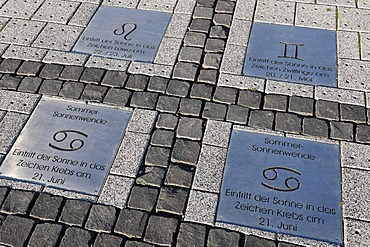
(83, 14)
(27, 31)
(317, 16)
(18, 102)
(66, 58)
(357, 233)
(217, 133)
(363, 4)
(242, 82)
(248, 231)
(201, 207)
(239, 32)
(69, 194)
(303, 241)
(178, 25)
(56, 11)
(352, 74)
(354, 155)
(168, 51)
(20, 185)
(283, 12)
(233, 59)
(10, 127)
(244, 9)
(340, 95)
(20, 8)
(348, 45)
(142, 121)
(119, 3)
(365, 46)
(291, 89)
(116, 191)
(348, 3)
(25, 53)
(3, 48)
(107, 63)
(158, 5)
(353, 19)
(3, 21)
(185, 6)
(150, 69)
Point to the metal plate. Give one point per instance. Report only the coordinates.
(282, 185)
(67, 145)
(129, 34)
(293, 54)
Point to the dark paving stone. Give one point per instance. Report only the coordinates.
(191, 235)
(208, 76)
(151, 175)
(117, 96)
(137, 82)
(71, 73)
(10, 82)
(167, 121)
(51, 71)
(194, 39)
(225, 95)
(253, 241)
(46, 207)
(143, 198)
(172, 200)
(45, 235)
(190, 54)
(185, 71)
(101, 218)
(250, 99)
(168, 104)
(75, 212)
(221, 238)
(327, 109)
(200, 25)
(50, 87)
(3, 193)
(105, 240)
(261, 119)
(237, 114)
(93, 92)
(30, 84)
(288, 122)
(203, 12)
(191, 107)
(29, 68)
(288, 245)
(207, 3)
(219, 32)
(158, 84)
(180, 176)
(15, 231)
(178, 88)
(353, 113)
(76, 237)
(144, 100)
(276, 102)
(214, 111)
(114, 79)
(190, 128)
(137, 244)
(157, 156)
(212, 61)
(160, 230)
(342, 131)
(222, 20)
(10, 66)
(186, 152)
(363, 133)
(72, 90)
(214, 45)
(201, 91)
(131, 223)
(17, 202)
(225, 7)
(302, 106)
(162, 138)
(92, 75)
(315, 127)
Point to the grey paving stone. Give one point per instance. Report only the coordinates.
(178, 88)
(114, 79)
(222, 19)
(10, 65)
(191, 234)
(105, 240)
(137, 244)
(51, 71)
(157, 156)
(219, 32)
(185, 71)
(92, 75)
(167, 121)
(190, 128)
(201, 91)
(190, 54)
(131, 223)
(162, 138)
(363, 133)
(30, 84)
(302, 106)
(203, 12)
(315, 127)
(161, 230)
(212, 61)
(117, 96)
(101, 218)
(158, 84)
(71, 73)
(327, 109)
(29, 68)
(75, 212)
(214, 111)
(194, 39)
(10, 81)
(250, 99)
(15, 230)
(46, 207)
(45, 235)
(50, 87)
(207, 3)
(3, 192)
(17, 202)
(143, 198)
(180, 176)
(341, 131)
(172, 200)
(275, 102)
(168, 104)
(72, 90)
(225, 95)
(214, 45)
(76, 237)
(352, 113)
(137, 82)
(186, 152)
(93, 92)
(144, 100)
(208, 76)
(221, 237)
(151, 175)
(225, 7)
(237, 114)
(281, 244)
(262, 119)
(200, 25)
(288, 122)
(254, 241)
(191, 107)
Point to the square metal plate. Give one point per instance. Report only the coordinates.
(67, 145)
(293, 54)
(129, 34)
(283, 185)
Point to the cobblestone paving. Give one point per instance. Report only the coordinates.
(185, 105)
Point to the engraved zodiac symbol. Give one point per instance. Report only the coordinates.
(62, 135)
(130, 26)
(288, 181)
(295, 47)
